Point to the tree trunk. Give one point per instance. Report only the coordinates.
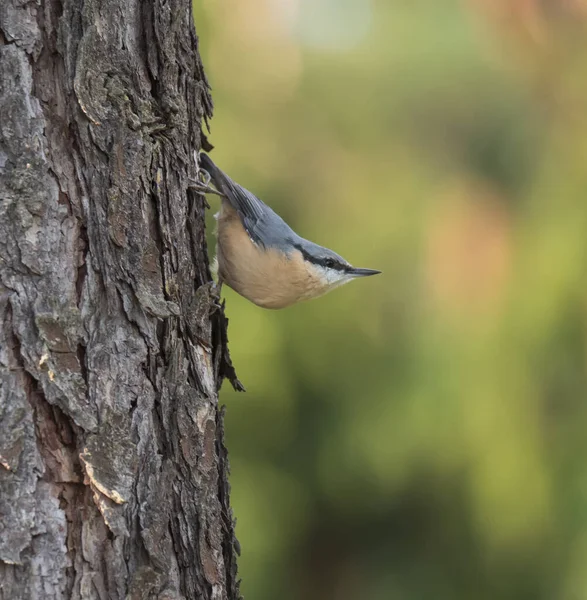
(113, 472)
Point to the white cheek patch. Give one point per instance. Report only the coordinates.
(331, 277)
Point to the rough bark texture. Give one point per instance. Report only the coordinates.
(113, 473)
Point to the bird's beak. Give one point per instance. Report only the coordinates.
(355, 272)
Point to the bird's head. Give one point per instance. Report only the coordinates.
(328, 268)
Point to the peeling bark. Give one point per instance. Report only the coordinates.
(113, 471)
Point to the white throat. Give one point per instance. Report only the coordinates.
(331, 278)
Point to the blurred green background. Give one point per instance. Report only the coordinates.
(421, 434)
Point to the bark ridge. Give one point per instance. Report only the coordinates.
(113, 471)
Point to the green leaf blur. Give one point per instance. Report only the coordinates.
(421, 434)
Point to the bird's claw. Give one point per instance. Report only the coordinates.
(216, 305)
(202, 188)
(202, 184)
(206, 177)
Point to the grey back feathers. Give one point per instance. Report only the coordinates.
(264, 226)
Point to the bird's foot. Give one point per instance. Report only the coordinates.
(202, 187)
(202, 184)
(216, 304)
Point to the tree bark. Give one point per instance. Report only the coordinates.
(113, 471)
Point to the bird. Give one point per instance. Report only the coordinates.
(260, 256)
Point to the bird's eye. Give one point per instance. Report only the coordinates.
(329, 262)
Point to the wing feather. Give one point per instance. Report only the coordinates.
(262, 224)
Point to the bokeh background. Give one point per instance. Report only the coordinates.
(421, 434)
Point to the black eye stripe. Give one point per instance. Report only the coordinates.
(327, 262)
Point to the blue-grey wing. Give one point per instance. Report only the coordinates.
(264, 226)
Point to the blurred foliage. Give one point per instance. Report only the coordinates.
(421, 434)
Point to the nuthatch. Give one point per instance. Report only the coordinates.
(261, 257)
